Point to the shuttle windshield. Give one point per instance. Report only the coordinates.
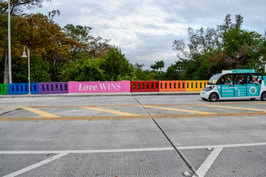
(213, 80)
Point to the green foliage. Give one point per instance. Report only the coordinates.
(79, 33)
(40, 71)
(71, 53)
(17, 6)
(3, 44)
(241, 47)
(158, 65)
(84, 70)
(87, 45)
(172, 72)
(157, 70)
(116, 66)
(151, 75)
(52, 48)
(138, 73)
(212, 50)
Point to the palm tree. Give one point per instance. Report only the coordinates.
(158, 65)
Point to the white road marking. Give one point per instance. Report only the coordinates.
(201, 171)
(206, 165)
(223, 146)
(133, 150)
(90, 151)
(36, 165)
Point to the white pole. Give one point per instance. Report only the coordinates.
(9, 46)
(29, 69)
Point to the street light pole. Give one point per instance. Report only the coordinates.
(27, 55)
(9, 46)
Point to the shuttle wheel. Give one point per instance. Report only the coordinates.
(213, 97)
(263, 96)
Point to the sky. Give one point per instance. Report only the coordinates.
(144, 30)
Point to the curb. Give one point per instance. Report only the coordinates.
(100, 94)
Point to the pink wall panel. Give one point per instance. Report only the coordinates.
(98, 87)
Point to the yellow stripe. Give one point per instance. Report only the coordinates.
(261, 103)
(179, 110)
(233, 107)
(162, 116)
(109, 111)
(42, 113)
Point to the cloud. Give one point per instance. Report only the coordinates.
(143, 33)
(145, 29)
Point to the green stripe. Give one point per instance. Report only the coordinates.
(3, 89)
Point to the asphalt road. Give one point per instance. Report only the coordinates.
(131, 136)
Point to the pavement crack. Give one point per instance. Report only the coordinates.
(181, 155)
(9, 111)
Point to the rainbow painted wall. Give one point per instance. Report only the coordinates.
(102, 87)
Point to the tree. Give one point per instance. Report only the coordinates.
(116, 66)
(212, 50)
(16, 8)
(138, 73)
(57, 54)
(89, 46)
(175, 71)
(46, 41)
(241, 47)
(158, 65)
(84, 70)
(98, 47)
(80, 34)
(262, 57)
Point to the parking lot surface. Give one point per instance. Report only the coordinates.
(131, 136)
